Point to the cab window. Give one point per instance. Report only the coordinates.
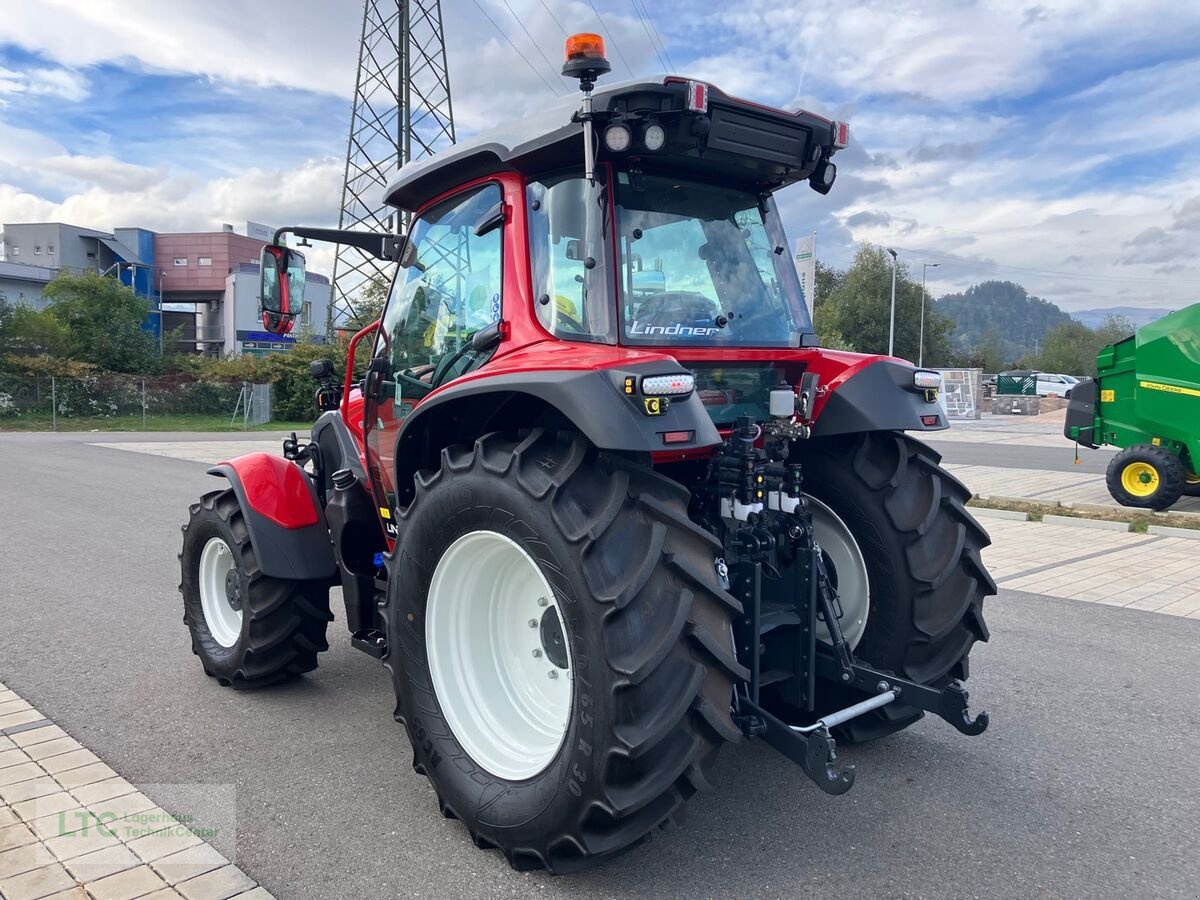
(451, 289)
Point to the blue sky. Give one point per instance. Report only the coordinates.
(1056, 144)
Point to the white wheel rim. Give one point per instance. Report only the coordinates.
(502, 684)
(849, 569)
(223, 621)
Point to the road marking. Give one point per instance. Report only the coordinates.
(70, 824)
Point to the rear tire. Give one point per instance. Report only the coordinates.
(647, 627)
(249, 630)
(1146, 477)
(922, 551)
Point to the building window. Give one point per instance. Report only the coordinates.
(181, 260)
(204, 260)
(50, 250)
(16, 251)
(37, 249)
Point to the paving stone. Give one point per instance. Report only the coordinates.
(189, 863)
(63, 762)
(6, 694)
(75, 893)
(220, 884)
(85, 775)
(19, 772)
(8, 816)
(19, 718)
(12, 757)
(52, 748)
(1095, 524)
(163, 843)
(13, 704)
(6, 742)
(18, 835)
(259, 893)
(13, 794)
(102, 863)
(126, 885)
(37, 735)
(165, 894)
(120, 806)
(100, 791)
(65, 822)
(31, 810)
(23, 859)
(37, 884)
(94, 836)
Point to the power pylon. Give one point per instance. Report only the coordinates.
(402, 112)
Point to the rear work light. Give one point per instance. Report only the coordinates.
(697, 96)
(927, 381)
(668, 385)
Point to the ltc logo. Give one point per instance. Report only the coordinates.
(655, 406)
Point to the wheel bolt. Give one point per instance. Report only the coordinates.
(537, 654)
(533, 623)
(542, 601)
(554, 673)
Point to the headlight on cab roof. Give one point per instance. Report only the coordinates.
(927, 381)
(668, 385)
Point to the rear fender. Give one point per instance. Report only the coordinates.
(286, 523)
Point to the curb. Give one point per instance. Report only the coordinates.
(1095, 524)
(1190, 534)
(984, 512)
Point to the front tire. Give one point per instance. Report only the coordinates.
(922, 550)
(249, 630)
(1146, 477)
(648, 659)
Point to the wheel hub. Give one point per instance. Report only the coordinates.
(233, 590)
(499, 658)
(1139, 479)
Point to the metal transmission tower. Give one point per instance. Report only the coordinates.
(402, 112)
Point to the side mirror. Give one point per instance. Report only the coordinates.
(281, 287)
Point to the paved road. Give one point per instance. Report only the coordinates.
(1010, 456)
(1087, 785)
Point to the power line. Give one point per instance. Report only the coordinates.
(611, 39)
(536, 45)
(979, 264)
(658, 37)
(554, 17)
(648, 37)
(517, 51)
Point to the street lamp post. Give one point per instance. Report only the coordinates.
(892, 321)
(921, 346)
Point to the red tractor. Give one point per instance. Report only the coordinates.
(600, 503)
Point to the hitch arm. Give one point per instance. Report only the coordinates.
(815, 753)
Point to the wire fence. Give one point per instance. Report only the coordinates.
(130, 403)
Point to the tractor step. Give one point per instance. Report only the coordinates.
(373, 643)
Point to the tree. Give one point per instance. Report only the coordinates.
(369, 304)
(25, 331)
(858, 309)
(105, 321)
(1112, 330)
(1020, 321)
(1069, 348)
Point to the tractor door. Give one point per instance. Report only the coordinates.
(450, 289)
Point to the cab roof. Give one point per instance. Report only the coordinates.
(738, 141)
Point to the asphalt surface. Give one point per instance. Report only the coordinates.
(1087, 785)
(1010, 456)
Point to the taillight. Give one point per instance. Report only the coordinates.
(697, 96)
(841, 135)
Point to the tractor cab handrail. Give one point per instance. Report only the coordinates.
(348, 384)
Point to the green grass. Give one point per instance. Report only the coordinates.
(133, 422)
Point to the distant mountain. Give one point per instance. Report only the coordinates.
(1000, 315)
(1138, 315)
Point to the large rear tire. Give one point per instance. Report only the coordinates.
(641, 640)
(248, 629)
(922, 552)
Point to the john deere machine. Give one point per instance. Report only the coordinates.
(1146, 400)
(600, 503)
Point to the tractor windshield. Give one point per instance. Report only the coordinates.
(704, 265)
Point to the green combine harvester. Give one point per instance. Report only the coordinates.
(1146, 400)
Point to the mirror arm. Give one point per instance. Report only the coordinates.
(381, 246)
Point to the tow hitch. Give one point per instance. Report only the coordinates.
(770, 518)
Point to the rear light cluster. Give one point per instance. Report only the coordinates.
(668, 385)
